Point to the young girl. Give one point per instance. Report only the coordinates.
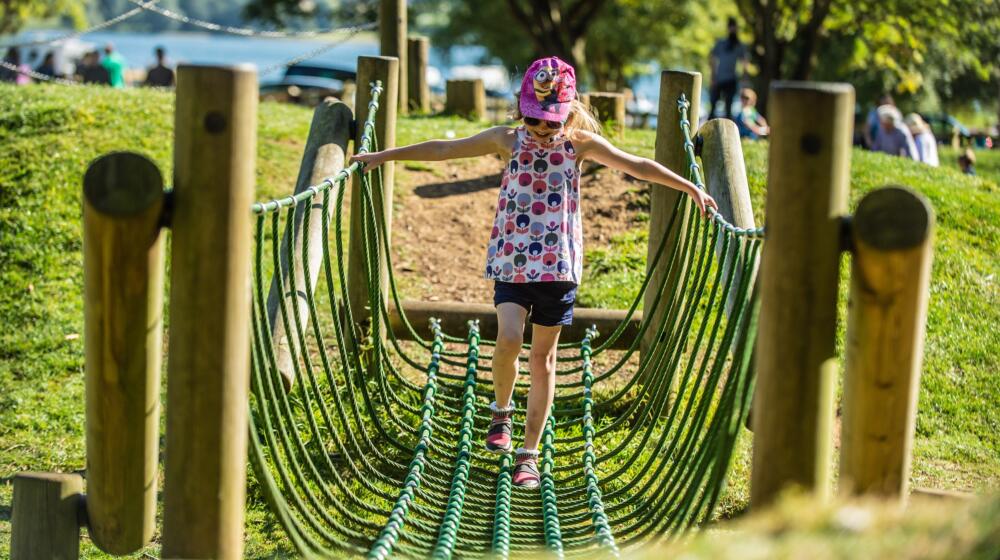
(535, 255)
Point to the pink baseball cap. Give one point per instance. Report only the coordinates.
(547, 90)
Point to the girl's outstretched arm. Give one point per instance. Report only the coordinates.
(597, 148)
(496, 140)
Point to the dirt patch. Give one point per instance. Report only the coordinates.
(443, 212)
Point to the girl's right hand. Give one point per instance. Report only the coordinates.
(370, 159)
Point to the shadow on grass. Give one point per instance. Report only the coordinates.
(452, 188)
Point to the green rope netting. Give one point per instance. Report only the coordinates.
(376, 450)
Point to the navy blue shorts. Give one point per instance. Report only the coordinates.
(548, 303)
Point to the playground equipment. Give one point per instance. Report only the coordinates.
(367, 440)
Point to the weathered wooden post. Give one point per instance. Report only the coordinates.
(807, 189)
(392, 38)
(418, 90)
(669, 152)
(892, 234)
(123, 203)
(370, 70)
(466, 98)
(47, 515)
(610, 110)
(324, 156)
(208, 363)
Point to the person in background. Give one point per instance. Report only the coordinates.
(14, 70)
(924, 139)
(114, 63)
(160, 75)
(871, 128)
(724, 57)
(967, 162)
(893, 137)
(48, 66)
(92, 72)
(749, 122)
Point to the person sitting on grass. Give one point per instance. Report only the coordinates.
(967, 162)
(924, 139)
(535, 251)
(893, 136)
(750, 123)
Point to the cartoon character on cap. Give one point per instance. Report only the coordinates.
(548, 87)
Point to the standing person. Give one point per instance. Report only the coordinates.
(725, 55)
(92, 72)
(893, 136)
(114, 63)
(871, 128)
(749, 122)
(160, 75)
(535, 251)
(14, 71)
(48, 66)
(924, 139)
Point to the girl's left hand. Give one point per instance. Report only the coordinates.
(703, 200)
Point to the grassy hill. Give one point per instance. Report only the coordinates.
(48, 135)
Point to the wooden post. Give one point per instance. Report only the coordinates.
(370, 70)
(669, 152)
(726, 180)
(215, 134)
(466, 98)
(796, 362)
(392, 35)
(323, 157)
(610, 110)
(892, 233)
(123, 204)
(46, 516)
(418, 90)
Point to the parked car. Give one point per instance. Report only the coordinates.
(309, 83)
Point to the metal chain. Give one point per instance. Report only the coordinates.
(105, 24)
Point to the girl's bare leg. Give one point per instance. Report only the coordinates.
(542, 364)
(510, 335)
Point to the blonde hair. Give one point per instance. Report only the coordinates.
(581, 117)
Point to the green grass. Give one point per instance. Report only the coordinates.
(48, 135)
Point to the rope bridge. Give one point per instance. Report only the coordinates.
(377, 448)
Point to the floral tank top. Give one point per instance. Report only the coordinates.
(537, 234)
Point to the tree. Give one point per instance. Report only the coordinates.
(14, 14)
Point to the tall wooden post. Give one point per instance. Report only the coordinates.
(47, 516)
(392, 38)
(466, 98)
(370, 70)
(669, 152)
(610, 110)
(892, 233)
(123, 204)
(417, 88)
(215, 137)
(807, 189)
(324, 156)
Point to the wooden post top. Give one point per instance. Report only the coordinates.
(122, 184)
(893, 218)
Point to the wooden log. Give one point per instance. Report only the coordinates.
(609, 108)
(796, 362)
(324, 156)
(46, 517)
(669, 152)
(392, 39)
(455, 316)
(123, 204)
(370, 70)
(466, 98)
(417, 89)
(892, 233)
(215, 136)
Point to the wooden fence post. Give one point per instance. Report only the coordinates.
(46, 516)
(466, 98)
(669, 152)
(208, 364)
(123, 204)
(610, 110)
(892, 233)
(370, 70)
(323, 157)
(392, 34)
(418, 90)
(808, 178)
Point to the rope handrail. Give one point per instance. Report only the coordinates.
(694, 174)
